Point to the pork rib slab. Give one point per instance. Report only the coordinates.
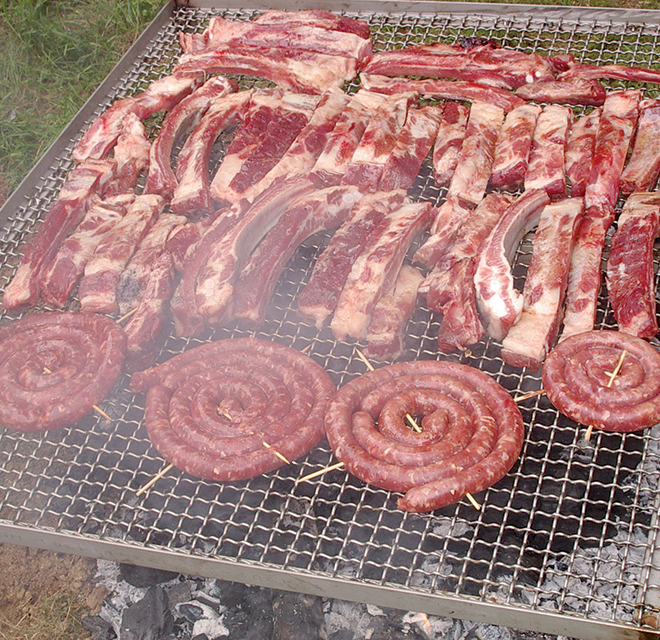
(449, 140)
(131, 155)
(317, 18)
(574, 91)
(641, 172)
(580, 150)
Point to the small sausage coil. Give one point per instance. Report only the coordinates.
(54, 367)
(471, 431)
(576, 380)
(224, 410)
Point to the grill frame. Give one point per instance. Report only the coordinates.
(47, 481)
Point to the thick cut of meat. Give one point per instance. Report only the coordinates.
(160, 95)
(630, 275)
(580, 151)
(628, 73)
(58, 280)
(546, 158)
(183, 240)
(574, 91)
(316, 18)
(131, 155)
(321, 210)
(271, 124)
(375, 270)
(85, 181)
(641, 172)
(192, 196)
(366, 222)
(534, 334)
(411, 148)
(513, 146)
(214, 291)
(301, 156)
(342, 142)
(449, 140)
(442, 89)
(385, 335)
(474, 166)
(178, 122)
(98, 286)
(376, 144)
(499, 303)
(505, 68)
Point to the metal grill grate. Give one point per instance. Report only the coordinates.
(564, 542)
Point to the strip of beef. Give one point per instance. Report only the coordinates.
(97, 290)
(580, 151)
(505, 68)
(342, 142)
(449, 140)
(513, 147)
(546, 158)
(376, 144)
(534, 334)
(83, 184)
(178, 123)
(322, 210)
(183, 240)
(475, 161)
(317, 18)
(214, 291)
(271, 124)
(615, 131)
(442, 89)
(574, 91)
(641, 172)
(367, 220)
(160, 95)
(58, 280)
(498, 302)
(375, 270)
(630, 274)
(612, 72)
(192, 196)
(385, 335)
(411, 148)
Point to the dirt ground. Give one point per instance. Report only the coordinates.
(45, 595)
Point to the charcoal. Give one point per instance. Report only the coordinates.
(147, 619)
(99, 628)
(297, 616)
(144, 576)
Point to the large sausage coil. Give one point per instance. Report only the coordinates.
(471, 431)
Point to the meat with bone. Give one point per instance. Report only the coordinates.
(221, 410)
(580, 150)
(301, 156)
(498, 302)
(630, 274)
(214, 290)
(513, 146)
(183, 240)
(192, 196)
(160, 95)
(376, 144)
(442, 89)
(385, 335)
(577, 380)
(322, 210)
(54, 367)
(546, 158)
(574, 91)
(474, 166)
(628, 73)
(376, 268)
(318, 299)
(615, 130)
(177, 123)
(97, 290)
(484, 64)
(472, 431)
(83, 184)
(410, 148)
(272, 123)
(449, 289)
(56, 282)
(340, 146)
(535, 332)
(641, 172)
(449, 140)
(317, 18)
(131, 156)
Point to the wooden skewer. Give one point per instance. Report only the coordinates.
(153, 480)
(320, 472)
(126, 316)
(276, 453)
(612, 375)
(527, 396)
(97, 409)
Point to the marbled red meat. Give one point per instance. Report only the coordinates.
(574, 91)
(641, 172)
(578, 156)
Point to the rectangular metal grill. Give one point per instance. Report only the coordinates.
(565, 543)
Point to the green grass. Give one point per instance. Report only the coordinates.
(52, 56)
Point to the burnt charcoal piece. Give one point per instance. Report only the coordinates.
(145, 576)
(297, 616)
(99, 628)
(147, 619)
